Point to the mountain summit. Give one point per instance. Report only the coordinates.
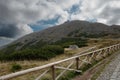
(74, 28)
(50, 42)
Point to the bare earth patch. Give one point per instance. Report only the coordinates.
(95, 71)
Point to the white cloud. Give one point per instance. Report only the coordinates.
(66, 4)
(15, 15)
(20, 13)
(23, 29)
(30, 11)
(105, 11)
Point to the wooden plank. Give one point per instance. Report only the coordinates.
(53, 72)
(64, 71)
(38, 78)
(86, 50)
(91, 57)
(68, 69)
(85, 61)
(77, 63)
(12, 75)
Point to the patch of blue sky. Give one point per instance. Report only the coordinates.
(37, 27)
(43, 24)
(74, 9)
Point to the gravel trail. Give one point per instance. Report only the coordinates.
(112, 70)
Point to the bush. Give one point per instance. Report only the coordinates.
(15, 67)
(45, 53)
(50, 51)
(54, 48)
(65, 42)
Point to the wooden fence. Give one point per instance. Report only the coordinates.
(78, 61)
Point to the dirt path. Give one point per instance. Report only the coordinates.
(111, 71)
(97, 68)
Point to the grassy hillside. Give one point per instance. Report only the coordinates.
(50, 42)
(6, 66)
(40, 51)
(69, 29)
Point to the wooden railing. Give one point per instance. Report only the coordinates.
(74, 63)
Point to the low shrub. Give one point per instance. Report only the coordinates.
(15, 67)
(45, 53)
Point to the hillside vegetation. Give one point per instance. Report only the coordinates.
(40, 51)
(50, 42)
(8, 66)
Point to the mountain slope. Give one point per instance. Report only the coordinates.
(69, 29)
(44, 44)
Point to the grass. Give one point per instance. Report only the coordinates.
(16, 67)
(69, 75)
(103, 65)
(5, 66)
(98, 72)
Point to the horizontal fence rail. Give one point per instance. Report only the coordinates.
(75, 64)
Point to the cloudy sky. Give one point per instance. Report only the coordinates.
(21, 17)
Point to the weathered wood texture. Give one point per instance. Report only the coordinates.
(79, 61)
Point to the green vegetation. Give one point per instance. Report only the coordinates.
(102, 34)
(44, 53)
(38, 44)
(77, 33)
(69, 75)
(74, 32)
(65, 42)
(15, 67)
(40, 51)
(103, 64)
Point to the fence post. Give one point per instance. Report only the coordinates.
(77, 63)
(108, 51)
(53, 72)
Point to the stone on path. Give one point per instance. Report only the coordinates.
(111, 71)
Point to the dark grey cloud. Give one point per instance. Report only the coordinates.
(10, 30)
(112, 14)
(104, 11)
(30, 11)
(17, 15)
(13, 31)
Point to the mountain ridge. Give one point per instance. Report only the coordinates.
(74, 25)
(51, 42)
(74, 28)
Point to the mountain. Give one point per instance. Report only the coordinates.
(74, 28)
(54, 39)
(70, 29)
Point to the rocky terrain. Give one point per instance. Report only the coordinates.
(71, 29)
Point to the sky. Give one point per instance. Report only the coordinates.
(21, 17)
